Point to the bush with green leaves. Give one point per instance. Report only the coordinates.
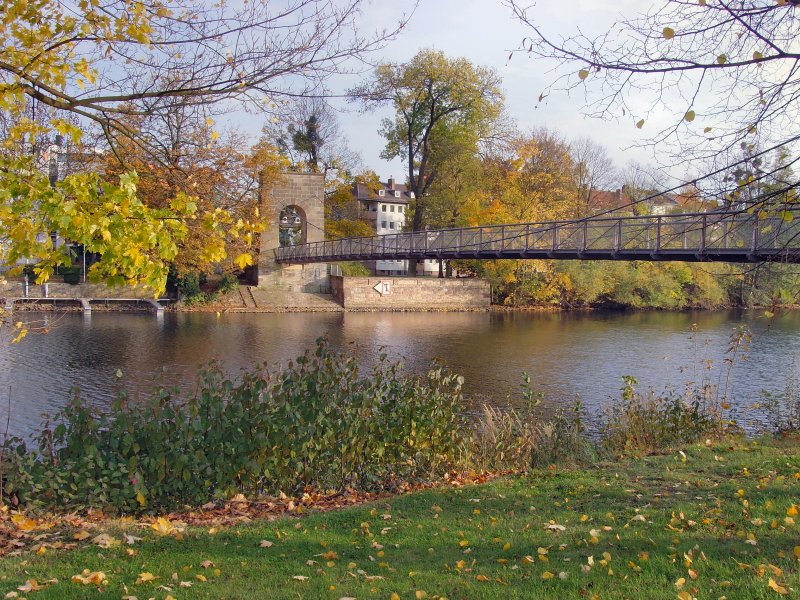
(71, 274)
(319, 423)
(228, 283)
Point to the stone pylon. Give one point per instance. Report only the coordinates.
(301, 196)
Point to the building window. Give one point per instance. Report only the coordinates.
(383, 207)
(400, 208)
(381, 192)
(391, 208)
(391, 224)
(383, 224)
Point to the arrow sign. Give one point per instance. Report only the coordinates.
(383, 287)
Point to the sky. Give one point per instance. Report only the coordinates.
(484, 31)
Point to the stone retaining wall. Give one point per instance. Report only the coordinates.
(411, 293)
(58, 289)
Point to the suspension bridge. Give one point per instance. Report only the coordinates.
(728, 236)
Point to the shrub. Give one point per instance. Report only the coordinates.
(71, 275)
(354, 269)
(318, 423)
(188, 285)
(229, 283)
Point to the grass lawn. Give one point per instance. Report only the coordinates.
(716, 521)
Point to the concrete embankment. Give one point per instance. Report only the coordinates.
(411, 293)
(344, 294)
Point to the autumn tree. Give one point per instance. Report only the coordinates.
(108, 62)
(533, 181)
(594, 170)
(307, 132)
(188, 153)
(530, 179)
(725, 71)
(342, 211)
(106, 58)
(442, 106)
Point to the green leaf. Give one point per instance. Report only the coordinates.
(668, 33)
(583, 74)
(689, 116)
(757, 55)
(639, 123)
(722, 59)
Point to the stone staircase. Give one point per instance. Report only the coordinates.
(246, 293)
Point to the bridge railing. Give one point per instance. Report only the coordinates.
(703, 234)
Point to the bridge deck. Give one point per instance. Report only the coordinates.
(713, 236)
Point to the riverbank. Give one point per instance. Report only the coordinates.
(708, 520)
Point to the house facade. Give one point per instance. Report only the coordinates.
(385, 207)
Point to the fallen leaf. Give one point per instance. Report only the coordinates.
(777, 588)
(89, 577)
(163, 526)
(23, 523)
(106, 541)
(31, 585)
(145, 577)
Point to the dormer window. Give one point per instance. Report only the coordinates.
(381, 193)
(411, 194)
(397, 193)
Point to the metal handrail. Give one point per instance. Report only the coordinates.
(722, 235)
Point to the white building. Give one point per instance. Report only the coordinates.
(386, 208)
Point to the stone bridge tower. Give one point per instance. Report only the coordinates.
(293, 212)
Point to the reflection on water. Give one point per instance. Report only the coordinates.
(568, 355)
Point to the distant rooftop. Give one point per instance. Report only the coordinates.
(389, 191)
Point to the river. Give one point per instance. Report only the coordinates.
(567, 355)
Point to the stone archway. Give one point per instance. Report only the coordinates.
(294, 196)
(292, 226)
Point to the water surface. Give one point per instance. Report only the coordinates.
(568, 355)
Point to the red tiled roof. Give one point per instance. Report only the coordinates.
(606, 200)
